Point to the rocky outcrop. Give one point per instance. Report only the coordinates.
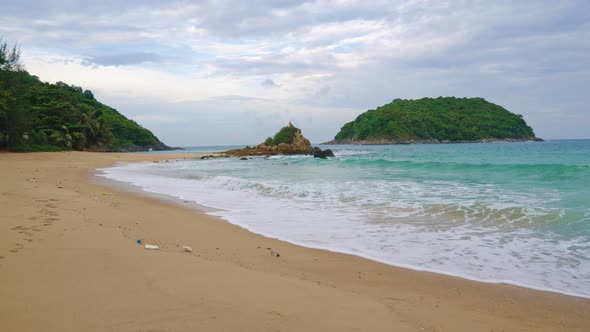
(297, 144)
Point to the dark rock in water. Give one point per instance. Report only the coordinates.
(329, 153)
(317, 152)
(324, 154)
(205, 157)
(243, 158)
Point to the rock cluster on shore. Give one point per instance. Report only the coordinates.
(288, 141)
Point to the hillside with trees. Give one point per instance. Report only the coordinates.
(39, 116)
(435, 120)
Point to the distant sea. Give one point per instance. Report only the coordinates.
(515, 213)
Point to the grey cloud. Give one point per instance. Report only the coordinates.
(45, 8)
(531, 57)
(226, 19)
(124, 59)
(259, 18)
(268, 65)
(269, 83)
(72, 32)
(322, 92)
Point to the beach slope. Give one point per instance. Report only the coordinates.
(69, 261)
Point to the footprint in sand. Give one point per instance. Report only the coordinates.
(22, 228)
(48, 212)
(19, 246)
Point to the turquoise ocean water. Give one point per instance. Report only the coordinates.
(517, 213)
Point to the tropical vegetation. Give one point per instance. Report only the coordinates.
(285, 135)
(38, 116)
(442, 119)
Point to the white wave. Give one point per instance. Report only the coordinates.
(412, 228)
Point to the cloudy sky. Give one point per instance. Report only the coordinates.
(233, 72)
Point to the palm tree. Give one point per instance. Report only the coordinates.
(104, 135)
(62, 138)
(78, 140)
(87, 120)
(97, 129)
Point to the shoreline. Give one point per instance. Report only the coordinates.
(138, 190)
(303, 289)
(228, 214)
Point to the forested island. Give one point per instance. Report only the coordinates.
(435, 120)
(39, 116)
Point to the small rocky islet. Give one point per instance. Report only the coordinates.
(287, 141)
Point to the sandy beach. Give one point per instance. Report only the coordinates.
(69, 261)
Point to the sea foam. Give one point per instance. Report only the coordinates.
(463, 225)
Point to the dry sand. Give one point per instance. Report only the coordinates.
(69, 262)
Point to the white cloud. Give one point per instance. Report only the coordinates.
(327, 60)
(131, 81)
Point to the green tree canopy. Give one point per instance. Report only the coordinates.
(285, 135)
(65, 116)
(443, 119)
